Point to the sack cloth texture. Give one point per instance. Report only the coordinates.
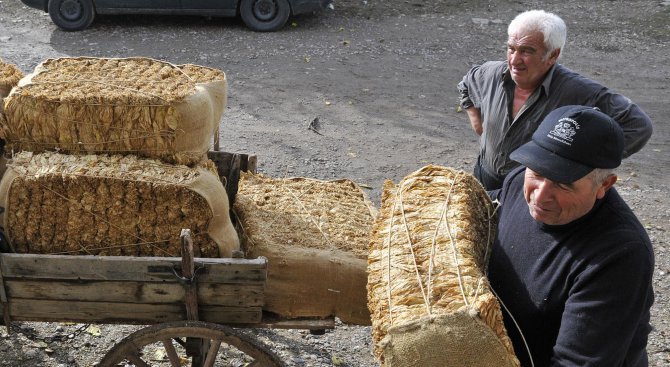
(138, 106)
(314, 234)
(113, 205)
(429, 298)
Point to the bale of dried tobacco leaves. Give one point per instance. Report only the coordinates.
(314, 234)
(429, 298)
(112, 205)
(137, 106)
(9, 77)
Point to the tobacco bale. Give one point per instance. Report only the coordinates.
(314, 234)
(134, 106)
(112, 205)
(430, 301)
(9, 77)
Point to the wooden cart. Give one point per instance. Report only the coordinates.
(193, 306)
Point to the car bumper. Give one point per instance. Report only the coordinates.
(307, 6)
(37, 4)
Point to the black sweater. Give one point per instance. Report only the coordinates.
(580, 292)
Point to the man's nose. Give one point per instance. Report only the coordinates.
(514, 57)
(544, 191)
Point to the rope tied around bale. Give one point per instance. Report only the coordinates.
(107, 84)
(411, 247)
(452, 243)
(87, 249)
(106, 105)
(309, 215)
(496, 206)
(446, 219)
(178, 174)
(316, 204)
(426, 290)
(138, 73)
(89, 59)
(86, 209)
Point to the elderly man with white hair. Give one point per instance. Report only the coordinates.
(506, 100)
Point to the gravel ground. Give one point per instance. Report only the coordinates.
(381, 77)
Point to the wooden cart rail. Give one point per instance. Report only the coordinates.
(229, 166)
(185, 300)
(128, 290)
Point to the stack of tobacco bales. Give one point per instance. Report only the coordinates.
(109, 157)
(315, 235)
(430, 301)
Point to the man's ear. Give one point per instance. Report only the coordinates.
(605, 185)
(554, 55)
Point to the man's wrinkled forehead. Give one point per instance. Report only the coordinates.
(533, 40)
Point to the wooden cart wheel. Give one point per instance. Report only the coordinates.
(202, 344)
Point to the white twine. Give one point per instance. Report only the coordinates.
(452, 241)
(411, 248)
(497, 205)
(77, 203)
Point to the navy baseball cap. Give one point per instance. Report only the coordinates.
(570, 142)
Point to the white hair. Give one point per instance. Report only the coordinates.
(551, 26)
(599, 175)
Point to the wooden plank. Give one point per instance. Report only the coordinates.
(222, 315)
(135, 292)
(124, 313)
(85, 267)
(308, 324)
(3, 293)
(3, 301)
(229, 165)
(233, 178)
(222, 161)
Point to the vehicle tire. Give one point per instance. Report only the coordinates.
(72, 15)
(265, 15)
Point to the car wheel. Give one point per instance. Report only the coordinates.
(72, 15)
(265, 15)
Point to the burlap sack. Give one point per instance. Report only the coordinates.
(9, 77)
(137, 106)
(112, 205)
(314, 234)
(430, 301)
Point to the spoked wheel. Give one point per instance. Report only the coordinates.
(199, 343)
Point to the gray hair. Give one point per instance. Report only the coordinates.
(550, 25)
(599, 175)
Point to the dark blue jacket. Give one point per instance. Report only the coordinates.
(580, 292)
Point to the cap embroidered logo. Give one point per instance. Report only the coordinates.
(570, 142)
(564, 130)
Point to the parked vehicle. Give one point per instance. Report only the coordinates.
(258, 15)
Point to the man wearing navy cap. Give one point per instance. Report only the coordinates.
(571, 263)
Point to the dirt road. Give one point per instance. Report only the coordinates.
(380, 76)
